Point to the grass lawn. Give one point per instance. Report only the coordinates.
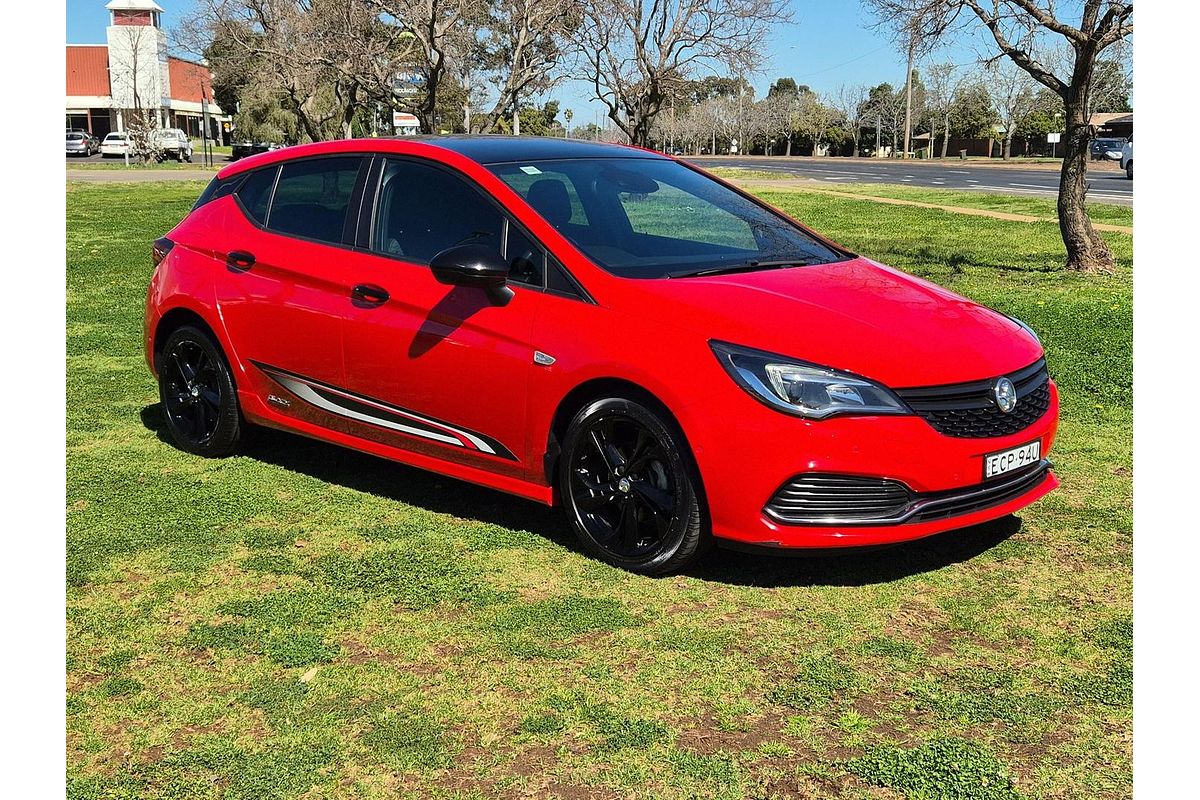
(119, 163)
(304, 621)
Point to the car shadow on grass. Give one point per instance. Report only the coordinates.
(381, 477)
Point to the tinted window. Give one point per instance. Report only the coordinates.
(312, 196)
(558, 281)
(424, 210)
(218, 188)
(255, 193)
(648, 218)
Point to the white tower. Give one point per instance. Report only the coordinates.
(137, 60)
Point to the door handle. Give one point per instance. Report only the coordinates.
(239, 260)
(366, 294)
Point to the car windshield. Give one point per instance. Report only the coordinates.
(115, 137)
(74, 137)
(656, 218)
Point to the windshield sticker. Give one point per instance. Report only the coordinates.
(530, 170)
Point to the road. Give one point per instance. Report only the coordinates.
(1107, 183)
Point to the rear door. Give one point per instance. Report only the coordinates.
(286, 288)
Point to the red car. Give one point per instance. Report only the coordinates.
(600, 327)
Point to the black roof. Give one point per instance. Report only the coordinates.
(500, 149)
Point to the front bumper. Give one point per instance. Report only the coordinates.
(744, 464)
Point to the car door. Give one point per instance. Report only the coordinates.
(441, 370)
(285, 289)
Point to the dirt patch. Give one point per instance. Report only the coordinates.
(707, 738)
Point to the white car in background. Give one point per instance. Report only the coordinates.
(1127, 158)
(172, 143)
(114, 144)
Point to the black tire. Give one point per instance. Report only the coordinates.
(199, 399)
(1129, 169)
(630, 487)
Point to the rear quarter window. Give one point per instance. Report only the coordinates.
(255, 193)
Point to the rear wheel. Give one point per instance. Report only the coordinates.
(630, 488)
(199, 400)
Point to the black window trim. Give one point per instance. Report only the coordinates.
(368, 216)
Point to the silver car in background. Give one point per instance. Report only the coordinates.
(81, 143)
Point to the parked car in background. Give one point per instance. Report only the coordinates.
(243, 149)
(1106, 149)
(172, 143)
(598, 327)
(115, 144)
(1127, 158)
(82, 143)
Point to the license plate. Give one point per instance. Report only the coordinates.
(1006, 461)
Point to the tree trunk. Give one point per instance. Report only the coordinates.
(789, 145)
(816, 146)
(1007, 151)
(857, 135)
(946, 137)
(1086, 251)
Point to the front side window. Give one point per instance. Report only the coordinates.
(652, 218)
(423, 210)
(311, 198)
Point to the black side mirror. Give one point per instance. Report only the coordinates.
(474, 265)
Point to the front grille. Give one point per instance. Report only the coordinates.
(819, 499)
(968, 410)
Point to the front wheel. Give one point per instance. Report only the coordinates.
(198, 397)
(1129, 169)
(631, 489)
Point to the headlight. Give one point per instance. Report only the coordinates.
(1025, 325)
(806, 390)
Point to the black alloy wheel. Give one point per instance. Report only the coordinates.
(627, 483)
(198, 397)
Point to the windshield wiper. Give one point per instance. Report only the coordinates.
(749, 266)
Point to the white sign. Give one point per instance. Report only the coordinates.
(401, 119)
(1051, 138)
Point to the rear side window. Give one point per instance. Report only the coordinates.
(255, 193)
(312, 197)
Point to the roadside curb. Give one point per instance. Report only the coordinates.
(972, 212)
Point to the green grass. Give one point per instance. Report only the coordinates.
(119, 163)
(303, 621)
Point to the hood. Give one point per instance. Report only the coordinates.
(858, 316)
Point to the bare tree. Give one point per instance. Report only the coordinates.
(1021, 29)
(446, 33)
(781, 111)
(942, 84)
(134, 67)
(813, 119)
(326, 60)
(523, 43)
(852, 103)
(1014, 96)
(633, 52)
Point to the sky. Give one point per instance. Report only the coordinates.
(828, 45)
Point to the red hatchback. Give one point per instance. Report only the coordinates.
(595, 326)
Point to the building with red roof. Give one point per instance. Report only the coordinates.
(108, 84)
